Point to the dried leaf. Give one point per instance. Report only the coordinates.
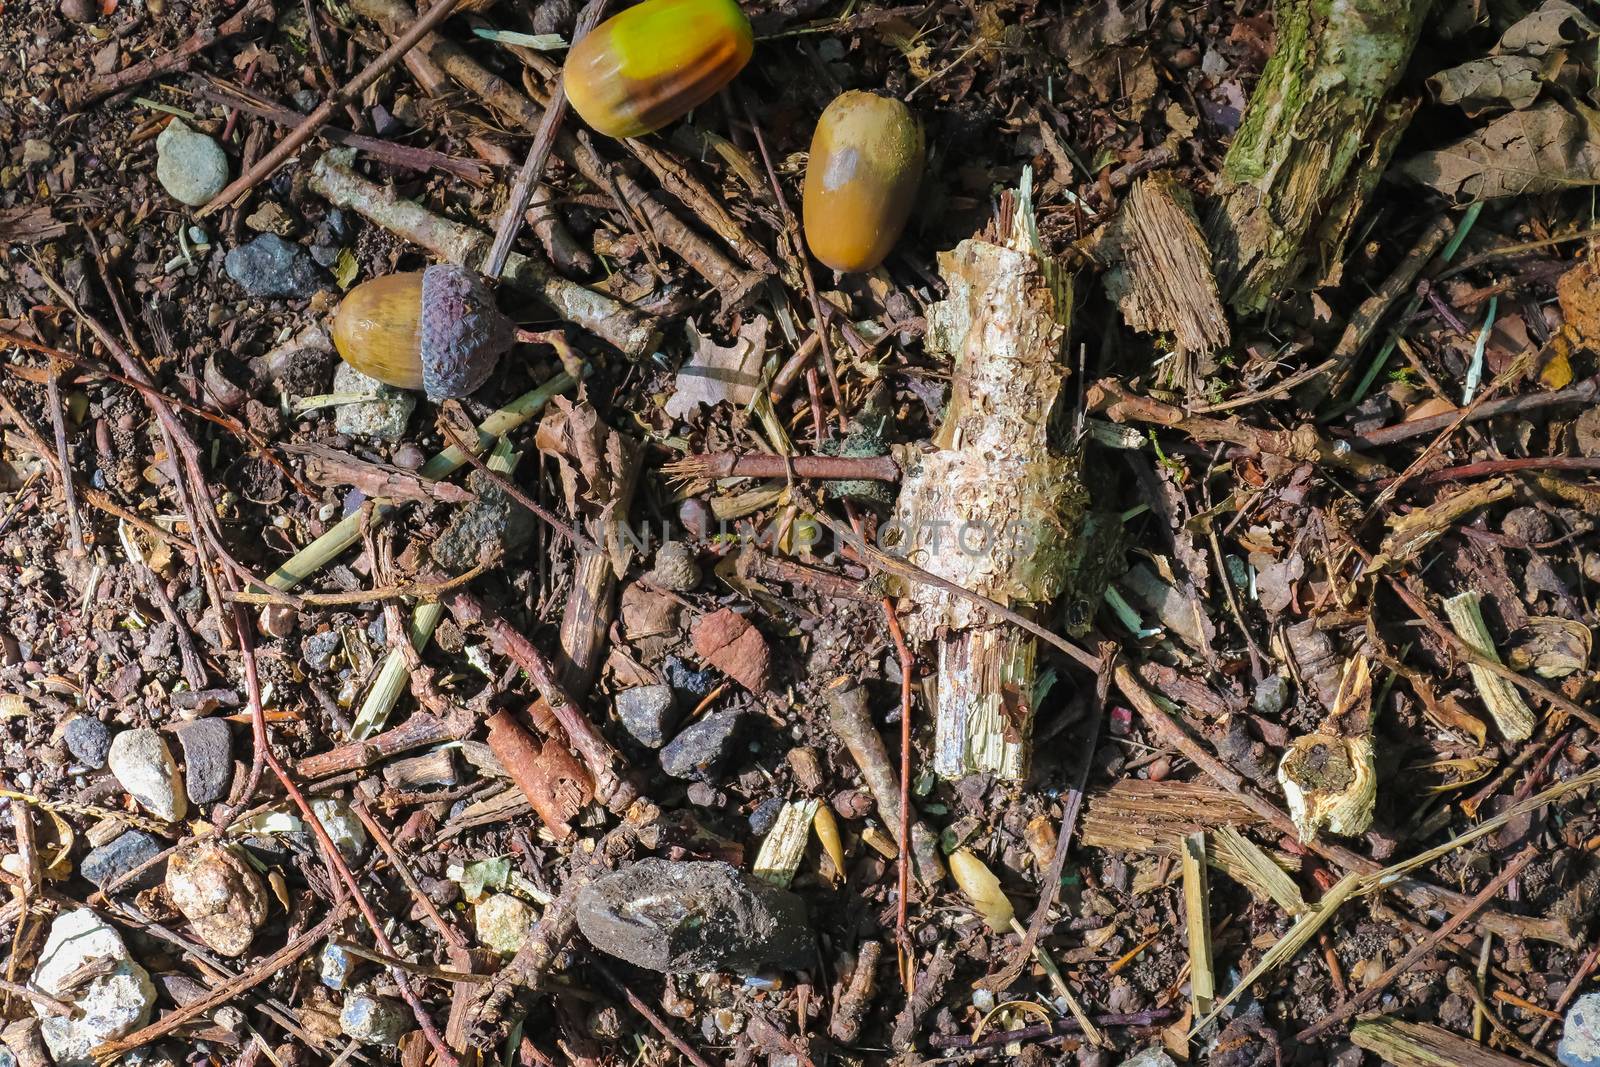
(726, 640)
(29, 225)
(1492, 82)
(1554, 26)
(1542, 149)
(345, 268)
(1551, 647)
(714, 374)
(596, 465)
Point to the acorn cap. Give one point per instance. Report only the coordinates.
(462, 332)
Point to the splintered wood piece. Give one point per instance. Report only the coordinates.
(726, 640)
(995, 506)
(555, 783)
(1511, 713)
(1406, 1044)
(1197, 916)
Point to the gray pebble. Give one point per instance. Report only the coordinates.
(1580, 1033)
(1271, 695)
(190, 166)
(648, 712)
(121, 854)
(690, 917)
(207, 759)
(88, 740)
(701, 749)
(317, 650)
(374, 1020)
(492, 522)
(270, 266)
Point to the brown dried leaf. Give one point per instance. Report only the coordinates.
(596, 464)
(714, 374)
(1493, 82)
(1554, 26)
(1551, 647)
(1542, 149)
(29, 225)
(726, 640)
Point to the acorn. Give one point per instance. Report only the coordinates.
(655, 62)
(437, 330)
(861, 179)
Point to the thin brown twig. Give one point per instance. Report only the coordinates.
(1427, 945)
(318, 118)
(686, 1050)
(903, 830)
(106, 85)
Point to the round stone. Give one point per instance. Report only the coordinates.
(189, 165)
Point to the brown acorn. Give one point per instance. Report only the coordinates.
(437, 330)
(861, 179)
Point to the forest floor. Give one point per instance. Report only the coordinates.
(358, 750)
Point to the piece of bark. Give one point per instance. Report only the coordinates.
(1314, 139)
(726, 640)
(555, 784)
(1407, 1044)
(994, 506)
(1158, 270)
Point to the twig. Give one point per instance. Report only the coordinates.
(1585, 392)
(1056, 1028)
(106, 85)
(1427, 945)
(612, 786)
(69, 499)
(421, 730)
(532, 172)
(903, 830)
(715, 465)
(454, 937)
(686, 1050)
(319, 117)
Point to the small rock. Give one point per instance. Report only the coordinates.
(78, 10)
(374, 1020)
(381, 419)
(493, 524)
(277, 621)
(503, 922)
(1150, 1057)
(765, 814)
(702, 795)
(145, 768)
(207, 759)
(1271, 695)
(88, 740)
(317, 650)
(115, 1001)
(693, 917)
(676, 567)
(270, 266)
(35, 151)
(700, 750)
(349, 836)
(122, 854)
(648, 712)
(270, 218)
(190, 166)
(336, 966)
(220, 895)
(696, 684)
(153, 1056)
(324, 255)
(1580, 1034)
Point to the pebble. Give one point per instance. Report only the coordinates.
(190, 166)
(220, 894)
(701, 749)
(35, 151)
(207, 759)
(503, 922)
(78, 10)
(676, 567)
(349, 836)
(684, 678)
(270, 266)
(1271, 695)
(336, 966)
(1580, 1034)
(120, 855)
(116, 1001)
(88, 740)
(317, 650)
(648, 712)
(765, 814)
(374, 1020)
(688, 917)
(1150, 1057)
(493, 519)
(382, 419)
(145, 768)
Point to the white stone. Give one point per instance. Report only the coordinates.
(374, 1020)
(189, 165)
(109, 1005)
(383, 418)
(144, 766)
(349, 836)
(503, 922)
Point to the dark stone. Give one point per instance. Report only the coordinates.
(88, 740)
(765, 815)
(270, 266)
(648, 712)
(493, 525)
(317, 650)
(687, 680)
(700, 750)
(692, 917)
(325, 255)
(122, 854)
(207, 759)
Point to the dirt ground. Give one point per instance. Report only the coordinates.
(1274, 330)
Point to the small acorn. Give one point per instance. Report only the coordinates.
(861, 179)
(437, 330)
(655, 62)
